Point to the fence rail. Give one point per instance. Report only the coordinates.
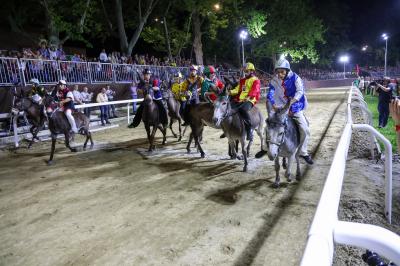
(49, 72)
(326, 229)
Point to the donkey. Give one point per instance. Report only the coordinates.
(35, 115)
(58, 124)
(283, 140)
(233, 126)
(150, 118)
(173, 107)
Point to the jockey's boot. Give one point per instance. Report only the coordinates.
(137, 118)
(308, 159)
(260, 154)
(249, 132)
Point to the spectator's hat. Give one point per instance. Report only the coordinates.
(386, 78)
(62, 82)
(34, 81)
(193, 67)
(178, 75)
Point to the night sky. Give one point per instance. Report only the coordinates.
(371, 18)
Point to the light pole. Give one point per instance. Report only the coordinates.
(243, 35)
(344, 59)
(385, 37)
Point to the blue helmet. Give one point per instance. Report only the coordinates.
(282, 63)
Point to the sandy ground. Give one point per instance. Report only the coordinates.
(119, 205)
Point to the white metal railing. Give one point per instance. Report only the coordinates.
(80, 106)
(49, 72)
(326, 229)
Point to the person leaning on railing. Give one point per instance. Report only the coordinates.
(394, 107)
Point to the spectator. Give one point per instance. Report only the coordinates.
(110, 96)
(53, 54)
(103, 56)
(102, 98)
(77, 95)
(133, 89)
(61, 53)
(43, 51)
(86, 98)
(385, 96)
(395, 112)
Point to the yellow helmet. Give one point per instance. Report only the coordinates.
(250, 66)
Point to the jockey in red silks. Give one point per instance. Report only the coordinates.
(66, 102)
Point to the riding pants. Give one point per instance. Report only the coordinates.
(304, 129)
(71, 120)
(243, 109)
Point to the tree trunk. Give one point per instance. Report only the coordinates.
(123, 40)
(167, 40)
(197, 45)
(186, 37)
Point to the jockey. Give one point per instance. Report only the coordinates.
(288, 86)
(191, 87)
(211, 86)
(37, 92)
(66, 102)
(246, 95)
(176, 89)
(150, 86)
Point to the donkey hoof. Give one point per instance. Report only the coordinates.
(91, 146)
(74, 150)
(245, 168)
(276, 185)
(175, 136)
(239, 157)
(49, 162)
(180, 138)
(203, 155)
(298, 177)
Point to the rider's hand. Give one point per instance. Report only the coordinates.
(275, 108)
(292, 101)
(394, 107)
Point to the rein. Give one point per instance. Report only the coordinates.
(285, 124)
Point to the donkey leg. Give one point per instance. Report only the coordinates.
(33, 137)
(180, 129)
(298, 173)
(189, 142)
(164, 132)
(66, 134)
(199, 148)
(171, 121)
(90, 138)
(277, 178)
(248, 147)
(284, 165)
(244, 152)
(288, 168)
(53, 147)
(153, 133)
(86, 133)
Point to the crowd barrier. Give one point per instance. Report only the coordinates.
(49, 72)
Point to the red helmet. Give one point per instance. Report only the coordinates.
(155, 82)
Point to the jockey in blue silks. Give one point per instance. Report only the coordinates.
(288, 86)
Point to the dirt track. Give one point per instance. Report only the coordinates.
(119, 205)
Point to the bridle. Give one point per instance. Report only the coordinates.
(284, 124)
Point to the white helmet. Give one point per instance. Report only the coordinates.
(282, 63)
(35, 81)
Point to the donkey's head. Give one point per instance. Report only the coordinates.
(276, 129)
(222, 107)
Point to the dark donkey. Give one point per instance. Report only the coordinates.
(233, 125)
(35, 115)
(58, 124)
(283, 140)
(173, 107)
(150, 118)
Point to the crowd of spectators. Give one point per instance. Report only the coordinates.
(322, 74)
(53, 52)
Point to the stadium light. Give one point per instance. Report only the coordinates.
(243, 35)
(344, 59)
(385, 37)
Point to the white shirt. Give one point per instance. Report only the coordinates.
(103, 56)
(77, 96)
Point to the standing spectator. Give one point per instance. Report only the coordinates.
(60, 53)
(86, 98)
(395, 112)
(385, 96)
(133, 89)
(43, 51)
(103, 56)
(102, 98)
(110, 96)
(53, 54)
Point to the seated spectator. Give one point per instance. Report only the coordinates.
(43, 51)
(86, 98)
(110, 96)
(103, 56)
(102, 98)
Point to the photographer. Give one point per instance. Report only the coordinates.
(385, 91)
